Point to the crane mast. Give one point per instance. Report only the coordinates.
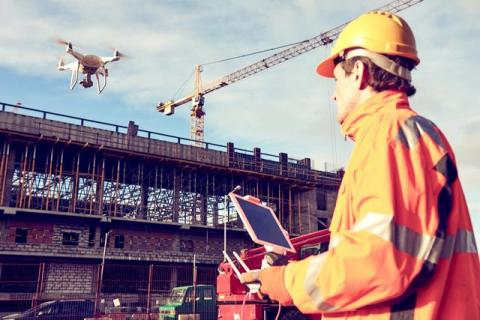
(197, 115)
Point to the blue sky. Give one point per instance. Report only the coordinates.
(284, 109)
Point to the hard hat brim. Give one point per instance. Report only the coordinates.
(325, 68)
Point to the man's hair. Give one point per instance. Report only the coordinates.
(380, 79)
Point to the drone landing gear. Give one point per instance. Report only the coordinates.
(105, 76)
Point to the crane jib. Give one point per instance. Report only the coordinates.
(277, 58)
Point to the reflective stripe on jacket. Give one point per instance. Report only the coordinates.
(402, 245)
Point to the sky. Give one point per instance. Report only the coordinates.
(287, 108)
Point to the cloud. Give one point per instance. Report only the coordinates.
(283, 109)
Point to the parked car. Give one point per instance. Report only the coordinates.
(57, 310)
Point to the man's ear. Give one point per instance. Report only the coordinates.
(361, 74)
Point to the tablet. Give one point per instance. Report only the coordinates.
(261, 223)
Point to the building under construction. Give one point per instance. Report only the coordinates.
(103, 211)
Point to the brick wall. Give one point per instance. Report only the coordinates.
(174, 246)
(70, 278)
(140, 243)
(38, 232)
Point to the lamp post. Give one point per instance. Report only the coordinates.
(194, 302)
(102, 266)
(225, 227)
(225, 220)
(103, 257)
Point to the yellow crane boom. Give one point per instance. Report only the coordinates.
(197, 96)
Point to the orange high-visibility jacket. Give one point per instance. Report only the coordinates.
(402, 245)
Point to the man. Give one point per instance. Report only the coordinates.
(402, 245)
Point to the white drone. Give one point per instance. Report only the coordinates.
(88, 65)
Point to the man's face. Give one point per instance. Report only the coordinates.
(346, 92)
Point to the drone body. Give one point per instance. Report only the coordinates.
(87, 65)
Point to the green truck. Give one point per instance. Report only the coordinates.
(185, 303)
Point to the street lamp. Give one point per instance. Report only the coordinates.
(225, 220)
(103, 257)
(102, 267)
(225, 227)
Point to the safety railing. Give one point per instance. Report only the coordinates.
(243, 159)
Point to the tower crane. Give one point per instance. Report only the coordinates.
(197, 96)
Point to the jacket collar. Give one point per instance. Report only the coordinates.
(380, 102)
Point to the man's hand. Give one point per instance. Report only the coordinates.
(251, 280)
(250, 276)
(275, 259)
(271, 283)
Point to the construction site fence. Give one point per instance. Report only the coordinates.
(122, 291)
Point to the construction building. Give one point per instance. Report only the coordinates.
(103, 211)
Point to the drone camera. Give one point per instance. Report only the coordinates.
(86, 83)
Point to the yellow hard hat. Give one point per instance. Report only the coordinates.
(377, 31)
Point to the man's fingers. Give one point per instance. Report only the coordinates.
(275, 259)
(249, 277)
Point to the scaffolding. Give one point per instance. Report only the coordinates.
(56, 166)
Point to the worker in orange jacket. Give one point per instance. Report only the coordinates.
(402, 245)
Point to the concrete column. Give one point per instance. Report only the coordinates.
(177, 185)
(231, 154)
(257, 155)
(283, 159)
(7, 182)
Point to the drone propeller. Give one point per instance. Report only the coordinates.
(118, 54)
(63, 42)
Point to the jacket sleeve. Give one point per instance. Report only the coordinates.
(392, 243)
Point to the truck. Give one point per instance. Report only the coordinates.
(192, 302)
(233, 298)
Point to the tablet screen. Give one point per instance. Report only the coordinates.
(261, 223)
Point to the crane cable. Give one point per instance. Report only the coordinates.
(333, 135)
(253, 53)
(182, 87)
